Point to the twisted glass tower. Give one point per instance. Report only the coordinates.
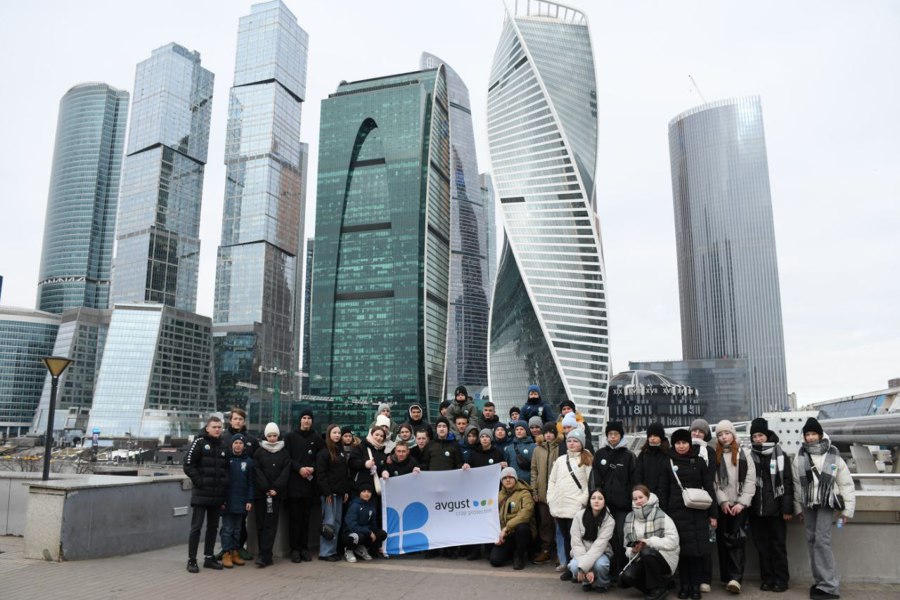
(256, 270)
(80, 228)
(548, 320)
(725, 238)
(470, 238)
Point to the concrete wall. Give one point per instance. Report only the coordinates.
(105, 516)
(14, 501)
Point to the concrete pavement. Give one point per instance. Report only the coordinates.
(162, 574)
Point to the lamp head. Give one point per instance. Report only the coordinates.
(56, 364)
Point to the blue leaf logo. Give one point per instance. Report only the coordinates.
(402, 531)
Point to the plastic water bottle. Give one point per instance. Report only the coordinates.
(269, 505)
(712, 535)
(840, 523)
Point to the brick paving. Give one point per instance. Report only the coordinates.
(162, 574)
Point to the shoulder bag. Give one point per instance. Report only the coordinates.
(697, 498)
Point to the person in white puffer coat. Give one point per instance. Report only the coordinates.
(567, 488)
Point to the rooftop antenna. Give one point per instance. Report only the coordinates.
(696, 87)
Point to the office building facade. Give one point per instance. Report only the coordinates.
(80, 226)
(725, 240)
(549, 317)
(257, 298)
(157, 233)
(382, 251)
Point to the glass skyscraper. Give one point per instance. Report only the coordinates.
(307, 311)
(470, 288)
(548, 319)
(26, 336)
(157, 235)
(382, 254)
(725, 238)
(156, 376)
(256, 301)
(80, 227)
(490, 224)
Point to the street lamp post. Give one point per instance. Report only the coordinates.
(55, 365)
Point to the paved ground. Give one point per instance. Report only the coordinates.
(161, 574)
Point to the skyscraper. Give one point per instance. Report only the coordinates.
(80, 227)
(382, 254)
(725, 238)
(157, 235)
(490, 224)
(256, 302)
(155, 378)
(470, 288)
(548, 320)
(307, 311)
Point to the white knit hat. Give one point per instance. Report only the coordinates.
(272, 428)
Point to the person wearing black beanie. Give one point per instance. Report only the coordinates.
(302, 444)
(652, 467)
(613, 472)
(361, 535)
(823, 486)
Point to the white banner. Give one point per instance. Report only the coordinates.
(437, 509)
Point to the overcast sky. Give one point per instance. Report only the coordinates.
(827, 72)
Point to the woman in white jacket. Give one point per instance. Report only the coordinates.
(592, 530)
(652, 545)
(822, 486)
(735, 487)
(567, 488)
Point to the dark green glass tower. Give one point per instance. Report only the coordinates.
(381, 266)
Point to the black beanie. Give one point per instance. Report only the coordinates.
(657, 430)
(615, 426)
(365, 485)
(461, 389)
(514, 409)
(813, 425)
(759, 425)
(346, 429)
(568, 403)
(443, 420)
(548, 427)
(307, 412)
(681, 435)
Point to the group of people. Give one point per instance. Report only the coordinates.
(608, 517)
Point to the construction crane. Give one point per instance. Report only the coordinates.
(696, 87)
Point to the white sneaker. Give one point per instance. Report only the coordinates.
(734, 586)
(348, 556)
(362, 552)
(704, 587)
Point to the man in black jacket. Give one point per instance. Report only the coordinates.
(303, 444)
(206, 464)
(613, 473)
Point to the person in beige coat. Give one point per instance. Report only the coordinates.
(545, 454)
(591, 534)
(823, 486)
(735, 487)
(567, 489)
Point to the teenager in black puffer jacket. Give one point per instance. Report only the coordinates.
(652, 467)
(303, 444)
(613, 473)
(206, 464)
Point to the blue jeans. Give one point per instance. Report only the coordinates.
(231, 531)
(600, 569)
(331, 515)
(560, 547)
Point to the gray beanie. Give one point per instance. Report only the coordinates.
(383, 407)
(509, 472)
(535, 422)
(578, 434)
(486, 431)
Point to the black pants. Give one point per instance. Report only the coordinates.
(730, 538)
(619, 559)
(374, 547)
(300, 509)
(565, 528)
(649, 571)
(769, 535)
(267, 526)
(199, 514)
(691, 570)
(516, 543)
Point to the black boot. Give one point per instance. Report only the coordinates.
(210, 562)
(519, 560)
(192, 566)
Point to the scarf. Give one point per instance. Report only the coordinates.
(272, 447)
(592, 523)
(723, 469)
(810, 496)
(776, 474)
(654, 521)
(375, 444)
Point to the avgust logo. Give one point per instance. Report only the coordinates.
(401, 530)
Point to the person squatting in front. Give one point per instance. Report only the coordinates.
(590, 538)
(361, 535)
(652, 542)
(517, 528)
